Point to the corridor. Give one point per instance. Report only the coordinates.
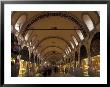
(55, 44)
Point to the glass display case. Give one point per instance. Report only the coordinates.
(84, 66)
(23, 67)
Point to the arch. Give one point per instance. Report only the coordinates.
(98, 16)
(95, 45)
(95, 54)
(84, 60)
(65, 15)
(83, 52)
(55, 47)
(69, 45)
(21, 20)
(88, 22)
(53, 57)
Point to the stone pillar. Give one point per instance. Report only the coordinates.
(89, 62)
(30, 51)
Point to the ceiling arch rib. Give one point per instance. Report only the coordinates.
(53, 57)
(88, 22)
(59, 49)
(54, 37)
(80, 34)
(55, 43)
(72, 44)
(20, 22)
(67, 16)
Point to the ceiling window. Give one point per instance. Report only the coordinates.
(75, 40)
(67, 52)
(20, 22)
(88, 22)
(72, 44)
(80, 34)
(69, 49)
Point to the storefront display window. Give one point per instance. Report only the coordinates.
(96, 65)
(23, 67)
(84, 66)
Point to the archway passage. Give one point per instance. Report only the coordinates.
(84, 60)
(95, 45)
(55, 48)
(83, 52)
(53, 57)
(52, 39)
(95, 54)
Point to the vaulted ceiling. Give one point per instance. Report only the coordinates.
(50, 33)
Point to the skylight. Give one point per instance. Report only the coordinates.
(88, 22)
(75, 40)
(80, 34)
